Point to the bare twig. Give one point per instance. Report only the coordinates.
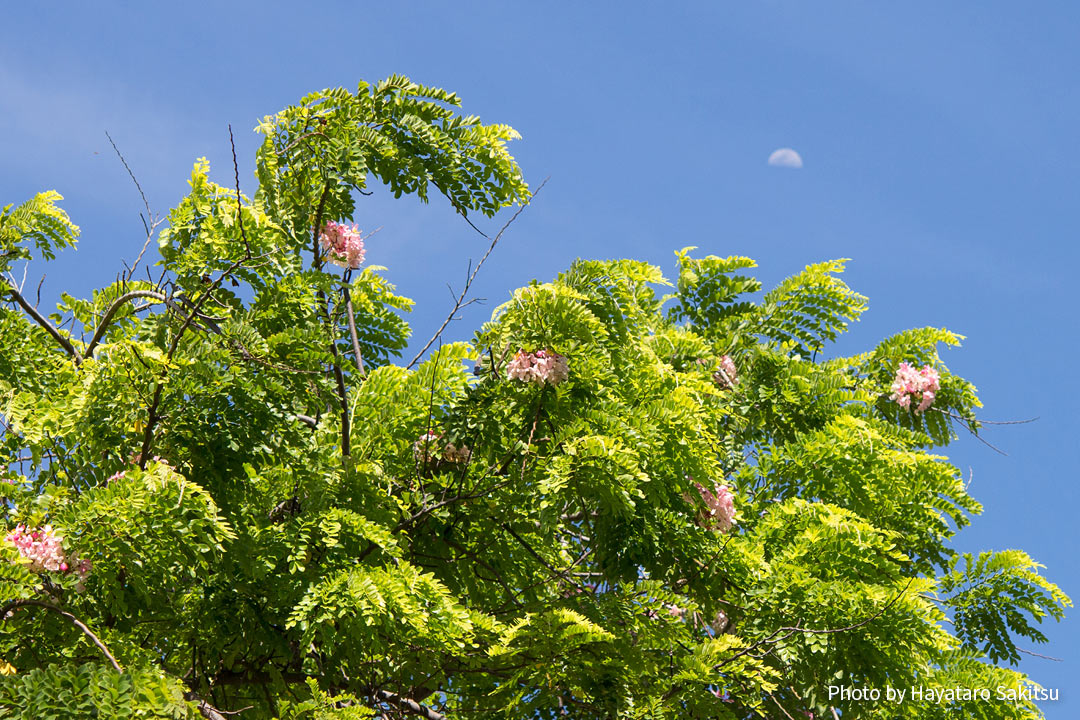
(138, 187)
(459, 302)
(1038, 655)
(150, 226)
(239, 206)
(979, 437)
(207, 710)
(14, 604)
(985, 422)
(786, 713)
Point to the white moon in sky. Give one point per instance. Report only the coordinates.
(785, 157)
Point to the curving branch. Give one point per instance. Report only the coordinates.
(15, 604)
(117, 304)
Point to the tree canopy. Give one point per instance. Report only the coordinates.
(624, 497)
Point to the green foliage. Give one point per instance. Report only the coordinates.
(64, 692)
(993, 598)
(38, 221)
(283, 521)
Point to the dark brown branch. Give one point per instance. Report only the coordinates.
(148, 227)
(239, 205)
(980, 438)
(14, 604)
(138, 187)
(317, 229)
(343, 397)
(459, 302)
(43, 322)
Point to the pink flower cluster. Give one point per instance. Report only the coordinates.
(45, 552)
(429, 448)
(344, 244)
(910, 382)
(725, 374)
(719, 513)
(542, 366)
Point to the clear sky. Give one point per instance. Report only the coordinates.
(939, 148)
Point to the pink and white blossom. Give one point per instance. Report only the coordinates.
(719, 513)
(43, 550)
(344, 245)
(910, 383)
(542, 366)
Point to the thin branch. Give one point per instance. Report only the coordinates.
(316, 263)
(1038, 655)
(786, 713)
(138, 187)
(239, 206)
(985, 422)
(14, 604)
(43, 322)
(468, 283)
(207, 710)
(980, 438)
(150, 226)
(317, 229)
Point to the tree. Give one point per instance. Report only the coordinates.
(223, 496)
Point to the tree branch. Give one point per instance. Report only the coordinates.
(14, 604)
(104, 324)
(409, 705)
(43, 322)
(352, 329)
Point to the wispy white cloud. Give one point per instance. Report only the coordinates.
(785, 157)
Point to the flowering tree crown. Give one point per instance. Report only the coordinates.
(225, 498)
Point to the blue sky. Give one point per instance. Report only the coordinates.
(940, 149)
